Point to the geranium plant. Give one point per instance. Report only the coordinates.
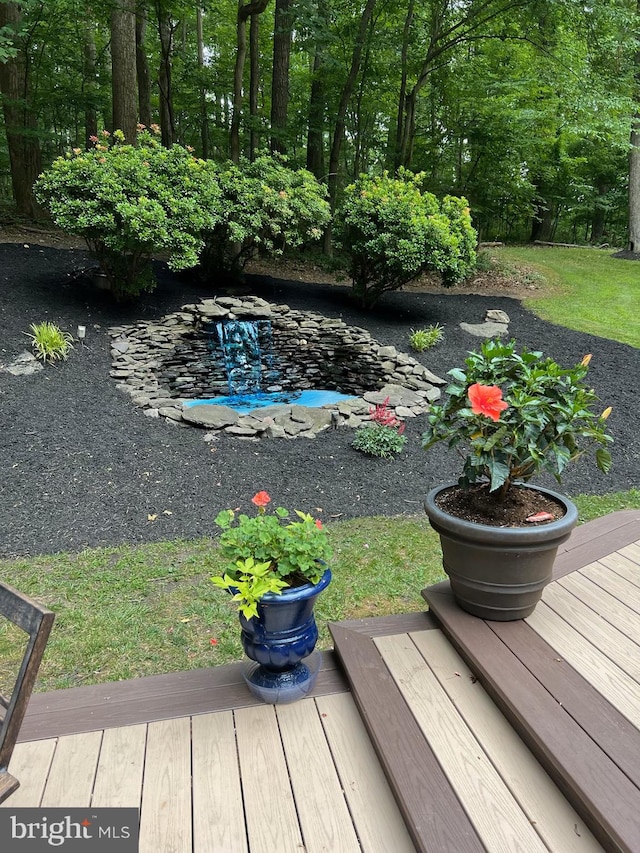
(514, 415)
(269, 552)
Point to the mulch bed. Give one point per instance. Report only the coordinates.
(82, 466)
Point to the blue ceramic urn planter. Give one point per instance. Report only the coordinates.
(280, 639)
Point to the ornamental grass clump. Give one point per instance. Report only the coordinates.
(514, 415)
(422, 339)
(49, 341)
(383, 437)
(268, 553)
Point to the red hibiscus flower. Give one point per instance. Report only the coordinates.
(487, 400)
(261, 499)
(318, 524)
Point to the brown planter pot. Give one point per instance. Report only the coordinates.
(499, 573)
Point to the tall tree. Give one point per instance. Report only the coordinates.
(142, 68)
(634, 153)
(283, 23)
(19, 116)
(166, 30)
(124, 86)
(245, 10)
(202, 94)
(345, 97)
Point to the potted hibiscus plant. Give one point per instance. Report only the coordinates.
(277, 567)
(511, 415)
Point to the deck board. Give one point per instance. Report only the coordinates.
(165, 817)
(602, 602)
(433, 814)
(380, 829)
(320, 803)
(595, 785)
(498, 819)
(73, 770)
(560, 827)
(218, 814)
(587, 659)
(118, 781)
(272, 822)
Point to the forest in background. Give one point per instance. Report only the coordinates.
(528, 108)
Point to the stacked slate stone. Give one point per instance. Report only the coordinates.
(164, 364)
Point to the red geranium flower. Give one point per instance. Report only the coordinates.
(261, 499)
(487, 400)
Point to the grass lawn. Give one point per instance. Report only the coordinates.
(132, 611)
(586, 289)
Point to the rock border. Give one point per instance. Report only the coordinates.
(141, 352)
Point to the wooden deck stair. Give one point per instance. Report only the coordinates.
(432, 731)
(513, 735)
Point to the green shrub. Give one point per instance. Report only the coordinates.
(422, 339)
(267, 207)
(129, 202)
(382, 437)
(49, 341)
(393, 231)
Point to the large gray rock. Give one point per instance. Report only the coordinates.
(485, 330)
(495, 315)
(24, 364)
(212, 417)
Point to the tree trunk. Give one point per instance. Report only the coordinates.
(280, 77)
(406, 32)
(204, 114)
(167, 123)
(634, 188)
(634, 160)
(89, 82)
(244, 11)
(142, 69)
(315, 131)
(254, 85)
(19, 119)
(345, 97)
(124, 86)
(599, 214)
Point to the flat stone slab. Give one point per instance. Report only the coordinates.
(485, 330)
(212, 417)
(24, 364)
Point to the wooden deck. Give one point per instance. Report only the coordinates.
(431, 731)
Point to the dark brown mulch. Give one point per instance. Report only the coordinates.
(82, 466)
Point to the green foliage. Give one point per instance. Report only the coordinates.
(49, 341)
(267, 207)
(383, 437)
(131, 201)
(544, 422)
(378, 440)
(393, 231)
(250, 582)
(265, 549)
(422, 339)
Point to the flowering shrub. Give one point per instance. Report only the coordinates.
(383, 436)
(268, 553)
(129, 202)
(393, 231)
(267, 207)
(512, 416)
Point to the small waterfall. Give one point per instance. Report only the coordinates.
(246, 347)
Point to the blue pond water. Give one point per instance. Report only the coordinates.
(244, 403)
